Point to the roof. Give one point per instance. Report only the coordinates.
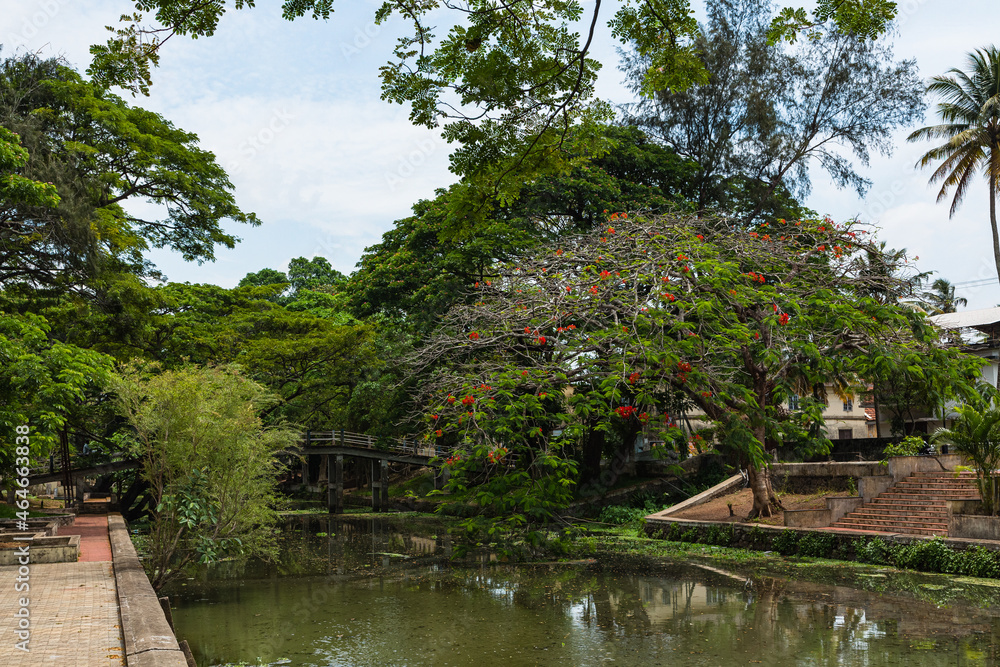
(986, 320)
(870, 414)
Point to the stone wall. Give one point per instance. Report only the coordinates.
(828, 475)
(149, 639)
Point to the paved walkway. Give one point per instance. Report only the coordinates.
(93, 531)
(73, 606)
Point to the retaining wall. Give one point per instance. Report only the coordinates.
(763, 537)
(149, 641)
(830, 475)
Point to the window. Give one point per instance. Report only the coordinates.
(793, 402)
(849, 405)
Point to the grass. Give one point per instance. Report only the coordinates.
(9, 512)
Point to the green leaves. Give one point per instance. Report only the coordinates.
(208, 459)
(624, 329)
(866, 19)
(100, 154)
(43, 383)
(662, 32)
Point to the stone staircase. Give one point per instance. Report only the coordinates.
(915, 505)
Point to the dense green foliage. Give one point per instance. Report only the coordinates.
(619, 330)
(425, 265)
(209, 460)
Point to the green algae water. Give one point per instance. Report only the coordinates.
(373, 593)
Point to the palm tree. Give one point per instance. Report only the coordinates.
(970, 109)
(976, 433)
(941, 298)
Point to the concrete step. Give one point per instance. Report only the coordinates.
(946, 474)
(916, 505)
(886, 529)
(876, 518)
(899, 514)
(934, 486)
(933, 493)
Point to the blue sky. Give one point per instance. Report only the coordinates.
(292, 110)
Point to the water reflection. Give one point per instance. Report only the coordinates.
(416, 610)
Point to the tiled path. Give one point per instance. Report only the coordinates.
(73, 606)
(93, 532)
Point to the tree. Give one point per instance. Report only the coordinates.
(941, 297)
(630, 322)
(209, 461)
(311, 361)
(970, 111)
(44, 384)
(508, 81)
(99, 154)
(768, 112)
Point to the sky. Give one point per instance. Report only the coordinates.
(291, 109)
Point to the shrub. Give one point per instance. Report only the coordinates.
(719, 535)
(786, 543)
(911, 445)
(930, 556)
(817, 544)
(977, 562)
(621, 514)
(873, 551)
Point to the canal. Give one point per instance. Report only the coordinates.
(373, 591)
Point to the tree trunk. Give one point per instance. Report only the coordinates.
(593, 449)
(993, 219)
(763, 496)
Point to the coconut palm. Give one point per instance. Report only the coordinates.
(941, 298)
(976, 433)
(970, 111)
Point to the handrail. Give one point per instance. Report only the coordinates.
(411, 446)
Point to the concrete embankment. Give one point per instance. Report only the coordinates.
(149, 640)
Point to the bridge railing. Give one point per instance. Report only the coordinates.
(77, 460)
(410, 446)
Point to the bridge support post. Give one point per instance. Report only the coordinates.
(376, 484)
(305, 471)
(335, 486)
(441, 478)
(384, 486)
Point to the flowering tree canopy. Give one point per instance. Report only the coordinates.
(644, 317)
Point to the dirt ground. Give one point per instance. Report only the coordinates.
(742, 502)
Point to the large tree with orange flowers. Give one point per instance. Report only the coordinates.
(622, 327)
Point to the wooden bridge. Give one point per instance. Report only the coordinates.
(334, 445)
